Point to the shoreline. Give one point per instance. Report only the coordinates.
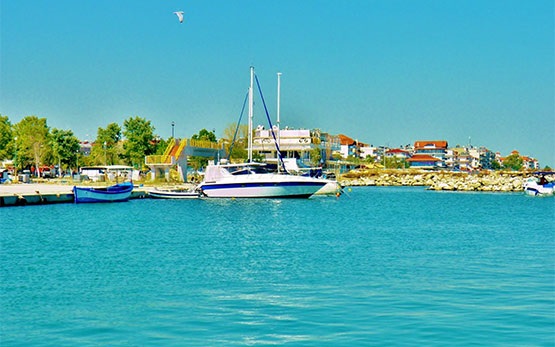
(17, 194)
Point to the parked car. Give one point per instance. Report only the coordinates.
(46, 172)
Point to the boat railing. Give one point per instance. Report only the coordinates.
(159, 159)
(203, 144)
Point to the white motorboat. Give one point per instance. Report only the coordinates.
(539, 185)
(252, 180)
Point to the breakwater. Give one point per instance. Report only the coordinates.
(491, 181)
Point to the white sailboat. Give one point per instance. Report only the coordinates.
(252, 180)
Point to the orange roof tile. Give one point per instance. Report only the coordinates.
(436, 144)
(422, 157)
(347, 141)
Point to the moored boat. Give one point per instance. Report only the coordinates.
(539, 185)
(251, 179)
(115, 193)
(176, 193)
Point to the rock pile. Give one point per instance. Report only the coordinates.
(495, 181)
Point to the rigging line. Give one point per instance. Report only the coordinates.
(237, 128)
(270, 122)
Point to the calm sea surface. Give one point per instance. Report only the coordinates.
(377, 267)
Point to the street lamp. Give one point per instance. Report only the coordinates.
(173, 125)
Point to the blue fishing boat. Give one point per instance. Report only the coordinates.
(115, 193)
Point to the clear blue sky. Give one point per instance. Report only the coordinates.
(385, 72)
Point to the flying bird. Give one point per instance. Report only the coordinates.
(179, 15)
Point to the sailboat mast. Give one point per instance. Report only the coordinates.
(278, 128)
(251, 111)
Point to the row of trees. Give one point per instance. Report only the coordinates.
(32, 143)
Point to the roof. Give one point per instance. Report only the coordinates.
(430, 144)
(397, 150)
(422, 158)
(347, 141)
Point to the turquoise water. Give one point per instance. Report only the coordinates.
(379, 267)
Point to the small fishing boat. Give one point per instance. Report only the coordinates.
(539, 185)
(175, 193)
(115, 193)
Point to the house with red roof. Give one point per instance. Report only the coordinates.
(397, 153)
(431, 148)
(423, 161)
(350, 147)
(530, 163)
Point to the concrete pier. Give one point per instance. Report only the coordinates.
(43, 193)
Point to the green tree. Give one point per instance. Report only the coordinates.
(161, 145)
(32, 143)
(315, 156)
(205, 135)
(65, 147)
(239, 146)
(140, 135)
(495, 165)
(513, 162)
(395, 163)
(369, 159)
(6, 138)
(107, 148)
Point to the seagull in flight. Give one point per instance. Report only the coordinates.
(179, 15)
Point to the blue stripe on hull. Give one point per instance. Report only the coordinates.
(269, 184)
(262, 190)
